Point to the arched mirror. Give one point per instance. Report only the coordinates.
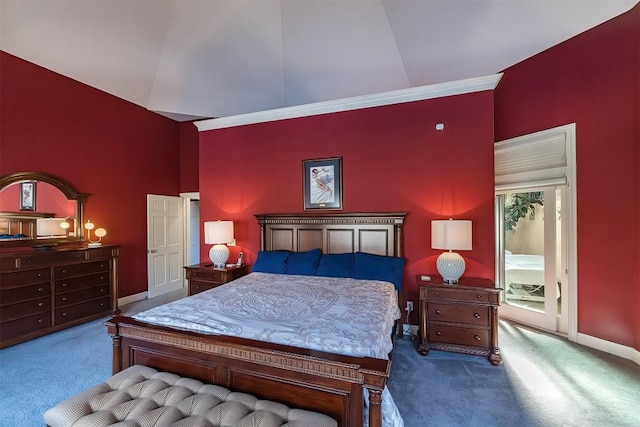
(38, 208)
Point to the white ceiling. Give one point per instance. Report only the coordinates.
(189, 59)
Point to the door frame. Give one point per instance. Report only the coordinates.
(567, 134)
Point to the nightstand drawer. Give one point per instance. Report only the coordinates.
(472, 315)
(209, 275)
(458, 294)
(461, 336)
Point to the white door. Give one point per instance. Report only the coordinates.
(165, 244)
(532, 264)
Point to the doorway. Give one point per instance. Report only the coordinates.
(535, 210)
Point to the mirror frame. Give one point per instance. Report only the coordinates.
(67, 189)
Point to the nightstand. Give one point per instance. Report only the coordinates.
(461, 317)
(202, 278)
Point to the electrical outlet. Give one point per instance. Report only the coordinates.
(409, 306)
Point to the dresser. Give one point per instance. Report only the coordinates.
(45, 291)
(462, 318)
(203, 276)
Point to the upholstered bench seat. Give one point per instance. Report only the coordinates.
(140, 396)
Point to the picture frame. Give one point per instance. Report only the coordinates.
(322, 183)
(28, 196)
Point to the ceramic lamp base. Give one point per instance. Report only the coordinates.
(450, 266)
(219, 254)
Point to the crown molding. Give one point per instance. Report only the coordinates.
(438, 90)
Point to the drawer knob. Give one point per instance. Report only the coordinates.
(476, 315)
(39, 320)
(101, 277)
(476, 337)
(64, 271)
(64, 314)
(437, 293)
(479, 296)
(40, 289)
(64, 285)
(40, 304)
(438, 333)
(64, 298)
(39, 274)
(437, 311)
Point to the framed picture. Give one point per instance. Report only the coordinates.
(322, 180)
(28, 196)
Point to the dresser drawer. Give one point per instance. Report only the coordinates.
(80, 269)
(210, 275)
(17, 278)
(99, 253)
(459, 295)
(25, 308)
(78, 311)
(67, 298)
(473, 315)
(74, 283)
(48, 258)
(458, 335)
(24, 325)
(17, 294)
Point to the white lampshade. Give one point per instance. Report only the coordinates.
(451, 235)
(218, 233)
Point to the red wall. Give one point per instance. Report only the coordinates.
(594, 81)
(393, 160)
(114, 150)
(189, 146)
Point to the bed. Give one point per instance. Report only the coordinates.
(524, 276)
(316, 372)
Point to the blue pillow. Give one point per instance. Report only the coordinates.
(335, 265)
(378, 267)
(271, 262)
(304, 263)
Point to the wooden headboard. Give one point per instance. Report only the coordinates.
(375, 233)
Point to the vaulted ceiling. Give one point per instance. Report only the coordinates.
(189, 59)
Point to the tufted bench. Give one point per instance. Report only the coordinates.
(140, 396)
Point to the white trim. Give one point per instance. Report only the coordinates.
(132, 298)
(438, 90)
(609, 347)
(194, 195)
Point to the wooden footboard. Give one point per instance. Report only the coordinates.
(323, 382)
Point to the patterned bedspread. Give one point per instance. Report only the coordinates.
(337, 315)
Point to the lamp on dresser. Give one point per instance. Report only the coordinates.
(218, 233)
(451, 235)
(99, 233)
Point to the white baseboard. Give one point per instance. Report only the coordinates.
(609, 347)
(132, 298)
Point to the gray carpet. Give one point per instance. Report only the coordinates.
(545, 381)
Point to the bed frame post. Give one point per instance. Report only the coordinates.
(116, 340)
(375, 407)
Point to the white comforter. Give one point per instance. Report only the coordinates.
(336, 315)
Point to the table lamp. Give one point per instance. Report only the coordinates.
(451, 235)
(218, 233)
